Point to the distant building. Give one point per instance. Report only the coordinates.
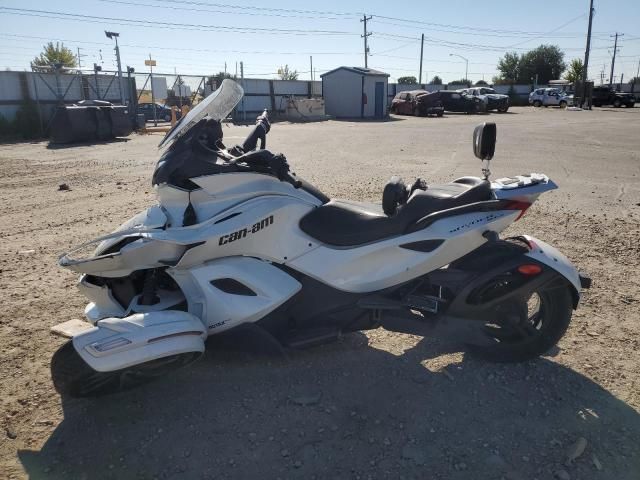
(355, 92)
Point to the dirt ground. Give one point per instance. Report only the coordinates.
(374, 405)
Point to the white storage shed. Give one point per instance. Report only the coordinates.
(355, 92)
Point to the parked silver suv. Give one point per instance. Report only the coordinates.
(544, 97)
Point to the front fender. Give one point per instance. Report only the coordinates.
(552, 257)
(116, 343)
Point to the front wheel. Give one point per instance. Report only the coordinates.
(73, 377)
(526, 328)
(537, 103)
(563, 104)
(617, 103)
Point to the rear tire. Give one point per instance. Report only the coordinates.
(73, 377)
(535, 334)
(617, 103)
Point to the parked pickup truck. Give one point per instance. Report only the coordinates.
(606, 96)
(494, 101)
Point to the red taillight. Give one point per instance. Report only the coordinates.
(516, 205)
(530, 269)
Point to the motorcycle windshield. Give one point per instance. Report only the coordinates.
(216, 106)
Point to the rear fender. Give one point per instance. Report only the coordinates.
(493, 261)
(552, 257)
(116, 343)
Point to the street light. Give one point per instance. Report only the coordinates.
(115, 35)
(466, 68)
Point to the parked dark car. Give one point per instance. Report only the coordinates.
(606, 96)
(453, 101)
(163, 113)
(416, 102)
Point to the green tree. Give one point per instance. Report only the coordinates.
(407, 80)
(481, 83)
(634, 81)
(575, 70)
(544, 63)
(55, 54)
(436, 80)
(216, 80)
(285, 74)
(509, 68)
(462, 81)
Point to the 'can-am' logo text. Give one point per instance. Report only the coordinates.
(255, 228)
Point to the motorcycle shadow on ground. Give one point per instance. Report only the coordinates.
(91, 143)
(347, 410)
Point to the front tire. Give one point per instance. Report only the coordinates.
(617, 103)
(73, 377)
(537, 103)
(533, 332)
(563, 105)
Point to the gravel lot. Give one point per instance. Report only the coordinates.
(379, 405)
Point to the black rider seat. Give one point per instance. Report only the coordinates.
(345, 224)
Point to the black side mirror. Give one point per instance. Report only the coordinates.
(484, 140)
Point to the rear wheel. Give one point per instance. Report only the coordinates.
(617, 103)
(73, 377)
(526, 328)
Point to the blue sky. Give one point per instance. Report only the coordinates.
(185, 35)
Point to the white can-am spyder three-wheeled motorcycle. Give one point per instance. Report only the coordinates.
(237, 241)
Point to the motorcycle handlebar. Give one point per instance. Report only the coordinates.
(259, 132)
(275, 164)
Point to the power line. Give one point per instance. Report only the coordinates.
(550, 31)
(268, 9)
(173, 6)
(166, 25)
(158, 47)
(532, 35)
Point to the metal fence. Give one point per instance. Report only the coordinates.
(47, 90)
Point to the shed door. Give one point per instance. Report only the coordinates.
(379, 99)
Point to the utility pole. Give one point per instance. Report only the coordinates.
(421, 52)
(586, 56)
(79, 56)
(244, 111)
(115, 36)
(613, 60)
(151, 63)
(311, 70)
(365, 36)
